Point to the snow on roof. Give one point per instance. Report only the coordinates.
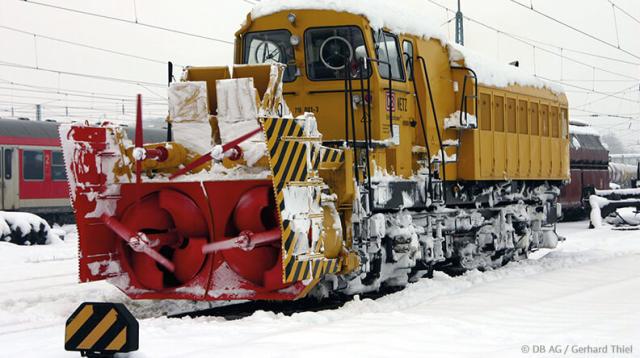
(583, 130)
(406, 19)
(492, 73)
(413, 17)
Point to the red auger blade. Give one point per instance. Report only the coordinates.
(246, 241)
(234, 143)
(133, 239)
(207, 157)
(191, 166)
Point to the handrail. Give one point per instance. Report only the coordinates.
(366, 123)
(435, 119)
(428, 187)
(348, 101)
(369, 59)
(464, 95)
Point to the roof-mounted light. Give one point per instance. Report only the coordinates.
(292, 18)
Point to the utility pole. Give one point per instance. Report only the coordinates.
(459, 26)
(38, 112)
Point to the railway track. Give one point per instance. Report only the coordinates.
(288, 308)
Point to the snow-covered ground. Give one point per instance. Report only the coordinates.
(585, 293)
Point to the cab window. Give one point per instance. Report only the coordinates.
(329, 51)
(407, 49)
(33, 165)
(388, 52)
(265, 46)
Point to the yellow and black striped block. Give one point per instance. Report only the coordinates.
(101, 327)
(330, 158)
(294, 160)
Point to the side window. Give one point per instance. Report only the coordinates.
(499, 114)
(555, 123)
(511, 115)
(535, 119)
(57, 166)
(388, 51)
(544, 115)
(407, 54)
(7, 161)
(33, 165)
(565, 128)
(523, 123)
(485, 111)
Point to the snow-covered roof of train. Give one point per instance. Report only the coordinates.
(412, 17)
(583, 130)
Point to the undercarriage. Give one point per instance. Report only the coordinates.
(402, 246)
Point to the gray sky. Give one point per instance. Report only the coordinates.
(220, 20)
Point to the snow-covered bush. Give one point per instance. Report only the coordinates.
(25, 229)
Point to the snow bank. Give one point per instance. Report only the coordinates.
(492, 73)
(412, 17)
(555, 295)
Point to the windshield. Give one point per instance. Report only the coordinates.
(330, 50)
(260, 47)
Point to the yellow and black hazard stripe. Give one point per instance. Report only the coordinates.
(101, 327)
(330, 158)
(290, 154)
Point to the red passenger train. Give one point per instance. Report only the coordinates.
(33, 177)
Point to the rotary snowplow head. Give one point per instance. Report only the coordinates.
(233, 209)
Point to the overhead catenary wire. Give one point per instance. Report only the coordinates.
(615, 24)
(115, 108)
(586, 89)
(115, 102)
(604, 113)
(561, 55)
(614, 94)
(535, 47)
(68, 92)
(624, 11)
(595, 38)
(132, 22)
(78, 44)
(561, 48)
(85, 75)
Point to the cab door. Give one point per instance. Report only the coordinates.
(1, 178)
(9, 180)
(399, 104)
